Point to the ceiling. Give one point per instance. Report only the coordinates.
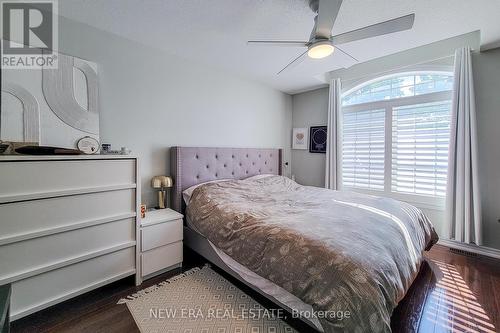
(215, 32)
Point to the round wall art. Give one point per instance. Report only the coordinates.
(318, 139)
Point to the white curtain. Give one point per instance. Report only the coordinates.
(463, 206)
(334, 103)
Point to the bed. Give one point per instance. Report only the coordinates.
(344, 260)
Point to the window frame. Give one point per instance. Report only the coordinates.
(421, 201)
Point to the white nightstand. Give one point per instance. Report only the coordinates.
(161, 242)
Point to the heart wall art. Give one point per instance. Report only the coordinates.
(299, 139)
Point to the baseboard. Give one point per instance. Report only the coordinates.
(481, 250)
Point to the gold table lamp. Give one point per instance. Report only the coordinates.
(164, 183)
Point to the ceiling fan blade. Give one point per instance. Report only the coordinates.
(327, 14)
(346, 53)
(398, 24)
(277, 43)
(294, 62)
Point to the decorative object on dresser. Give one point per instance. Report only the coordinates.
(299, 138)
(4, 308)
(11, 147)
(161, 242)
(163, 183)
(68, 225)
(44, 150)
(125, 151)
(317, 142)
(3, 147)
(88, 145)
(105, 148)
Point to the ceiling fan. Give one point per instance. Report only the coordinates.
(321, 44)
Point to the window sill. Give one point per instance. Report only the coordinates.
(419, 201)
(436, 207)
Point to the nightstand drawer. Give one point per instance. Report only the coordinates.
(161, 234)
(161, 257)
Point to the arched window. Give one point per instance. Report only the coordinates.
(395, 134)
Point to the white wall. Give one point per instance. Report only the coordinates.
(151, 101)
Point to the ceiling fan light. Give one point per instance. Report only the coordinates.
(320, 50)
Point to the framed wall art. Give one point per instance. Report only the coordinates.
(317, 144)
(299, 139)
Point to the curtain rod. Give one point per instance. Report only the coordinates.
(397, 68)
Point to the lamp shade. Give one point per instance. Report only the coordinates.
(166, 181)
(161, 181)
(156, 182)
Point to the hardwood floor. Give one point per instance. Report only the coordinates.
(452, 293)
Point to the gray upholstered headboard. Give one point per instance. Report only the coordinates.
(194, 165)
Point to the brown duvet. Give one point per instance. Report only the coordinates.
(351, 256)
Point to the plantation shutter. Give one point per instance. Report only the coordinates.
(420, 139)
(363, 141)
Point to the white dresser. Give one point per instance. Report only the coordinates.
(161, 242)
(67, 225)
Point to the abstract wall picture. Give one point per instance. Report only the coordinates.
(59, 90)
(299, 139)
(318, 139)
(51, 107)
(30, 113)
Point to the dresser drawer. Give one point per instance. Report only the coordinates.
(45, 177)
(161, 234)
(25, 217)
(41, 291)
(41, 252)
(161, 257)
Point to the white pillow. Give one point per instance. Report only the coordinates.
(186, 194)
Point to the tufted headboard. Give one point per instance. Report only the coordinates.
(194, 165)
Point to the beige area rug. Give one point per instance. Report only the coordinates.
(201, 301)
